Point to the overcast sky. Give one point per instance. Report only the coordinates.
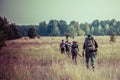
(35, 11)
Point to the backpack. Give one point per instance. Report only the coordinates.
(67, 46)
(62, 45)
(74, 48)
(89, 44)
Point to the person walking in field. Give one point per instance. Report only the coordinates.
(62, 47)
(90, 49)
(74, 51)
(67, 48)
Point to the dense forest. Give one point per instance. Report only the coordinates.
(59, 28)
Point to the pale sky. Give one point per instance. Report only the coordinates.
(35, 11)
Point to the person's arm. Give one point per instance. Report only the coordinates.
(84, 46)
(96, 45)
(60, 45)
(78, 49)
(83, 52)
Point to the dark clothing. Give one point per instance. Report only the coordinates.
(74, 50)
(96, 45)
(90, 56)
(62, 47)
(73, 56)
(62, 50)
(90, 51)
(67, 47)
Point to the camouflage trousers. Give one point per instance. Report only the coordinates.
(91, 57)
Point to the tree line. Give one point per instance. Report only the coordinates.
(10, 31)
(59, 28)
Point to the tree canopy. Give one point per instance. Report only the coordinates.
(60, 28)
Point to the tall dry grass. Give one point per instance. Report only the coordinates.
(40, 59)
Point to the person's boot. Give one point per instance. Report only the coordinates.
(93, 67)
(87, 66)
(75, 62)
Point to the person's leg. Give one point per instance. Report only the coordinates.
(92, 61)
(68, 53)
(87, 60)
(62, 50)
(75, 57)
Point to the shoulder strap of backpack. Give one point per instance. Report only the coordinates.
(93, 41)
(89, 39)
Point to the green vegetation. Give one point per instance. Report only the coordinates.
(3, 38)
(12, 31)
(112, 37)
(40, 59)
(98, 28)
(60, 28)
(32, 33)
(3, 32)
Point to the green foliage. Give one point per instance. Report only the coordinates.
(12, 30)
(95, 23)
(32, 33)
(112, 36)
(75, 24)
(53, 29)
(42, 30)
(81, 33)
(71, 31)
(62, 27)
(86, 28)
(15, 32)
(106, 29)
(67, 35)
(3, 31)
(92, 30)
(3, 39)
(59, 28)
(54, 32)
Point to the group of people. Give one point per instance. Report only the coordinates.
(89, 50)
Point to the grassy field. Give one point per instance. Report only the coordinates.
(40, 59)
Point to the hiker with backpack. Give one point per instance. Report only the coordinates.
(67, 48)
(62, 47)
(90, 49)
(74, 51)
